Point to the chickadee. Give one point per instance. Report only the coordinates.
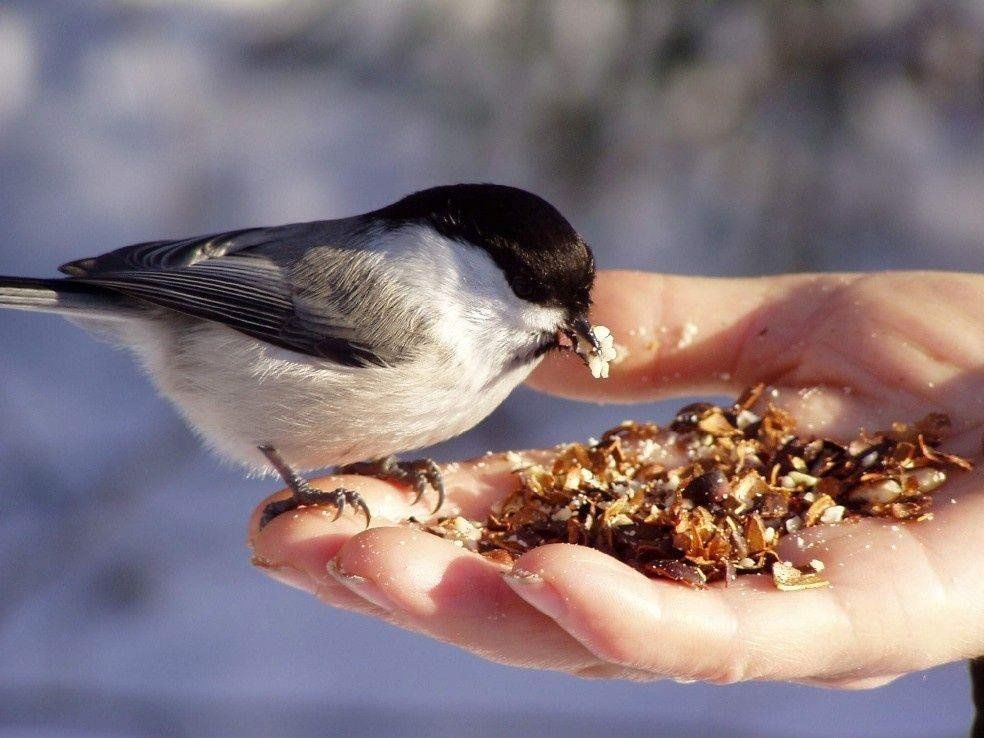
(309, 345)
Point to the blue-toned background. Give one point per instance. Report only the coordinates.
(718, 138)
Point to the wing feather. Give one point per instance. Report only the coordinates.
(237, 279)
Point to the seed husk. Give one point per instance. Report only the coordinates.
(709, 497)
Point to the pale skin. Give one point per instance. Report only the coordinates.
(845, 351)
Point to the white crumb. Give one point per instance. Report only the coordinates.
(599, 359)
(687, 335)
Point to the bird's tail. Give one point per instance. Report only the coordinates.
(63, 296)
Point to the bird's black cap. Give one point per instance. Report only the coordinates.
(543, 258)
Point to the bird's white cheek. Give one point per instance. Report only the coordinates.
(538, 319)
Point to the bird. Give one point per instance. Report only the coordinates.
(342, 343)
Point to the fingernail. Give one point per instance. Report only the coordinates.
(536, 591)
(284, 573)
(365, 588)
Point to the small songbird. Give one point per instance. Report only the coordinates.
(309, 345)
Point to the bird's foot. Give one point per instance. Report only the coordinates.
(418, 473)
(308, 496)
(304, 494)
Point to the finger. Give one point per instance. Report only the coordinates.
(622, 617)
(302, 549)
(456, 596)
(626, 619)
(690, 334)
(841, 351)
(293, 547)
(868, 354)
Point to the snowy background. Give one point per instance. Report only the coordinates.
(730, 138)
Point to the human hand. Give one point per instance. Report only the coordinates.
(844, 352)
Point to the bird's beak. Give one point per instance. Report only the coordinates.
(576, 330)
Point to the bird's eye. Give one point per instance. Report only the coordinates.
(523, 287)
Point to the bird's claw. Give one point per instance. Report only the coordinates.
(419, 473)
(307, 496)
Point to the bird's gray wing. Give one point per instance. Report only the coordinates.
(244, 280)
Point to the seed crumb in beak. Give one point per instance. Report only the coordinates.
(594, 344)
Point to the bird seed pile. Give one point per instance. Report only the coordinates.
(710, 496)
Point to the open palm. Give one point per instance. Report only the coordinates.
(844, 352)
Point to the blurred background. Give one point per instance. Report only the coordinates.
(714, 138)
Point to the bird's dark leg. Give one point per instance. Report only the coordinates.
(304, 494)
(419, 473)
